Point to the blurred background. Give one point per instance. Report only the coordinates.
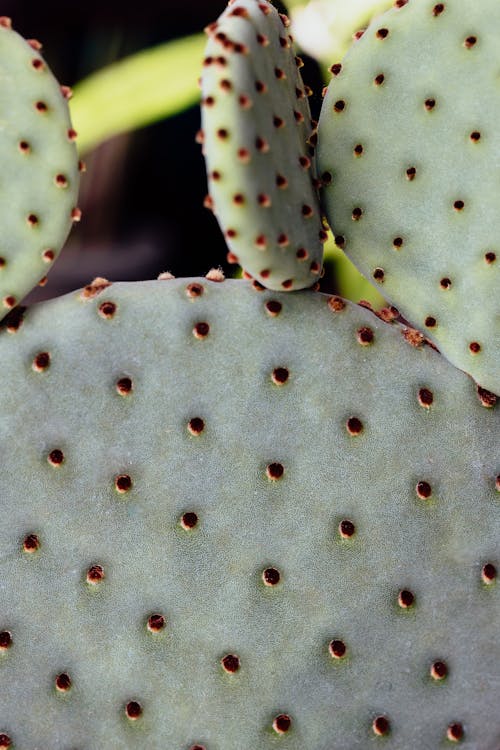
(135, 108)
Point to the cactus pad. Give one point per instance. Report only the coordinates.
(409, 142)
(219, 538)
(39, 167)
(256, 123)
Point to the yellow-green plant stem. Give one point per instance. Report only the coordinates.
(351, 284)
(133, 92)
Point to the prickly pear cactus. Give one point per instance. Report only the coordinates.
(235, 517)
(408, 146)
(254, 527)
(39, 167)
(256, 125)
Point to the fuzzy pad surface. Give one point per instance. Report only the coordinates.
(409, 142)
(217, 538)
(39, 185)
(261, 169)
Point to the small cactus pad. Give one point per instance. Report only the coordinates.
(229, 522)
(409, 139)
(39, 167)
(255, 127)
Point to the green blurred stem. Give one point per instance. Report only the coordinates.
(137, 91)
(351, 284)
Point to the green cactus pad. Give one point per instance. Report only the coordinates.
(408, 137)
(39, 167)
(256, 123)
(229, 522)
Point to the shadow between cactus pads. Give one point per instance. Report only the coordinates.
(220, 538)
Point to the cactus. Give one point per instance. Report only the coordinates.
(235, 517)
(256, 123)
(167, 491)
(39, 168)
(410, 157)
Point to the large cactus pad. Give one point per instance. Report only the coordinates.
(216, 538)
(39, 183)
(409, 142)
(256, 123)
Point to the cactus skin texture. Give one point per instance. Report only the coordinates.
(256, 123)
(409, 134)
(39, 167)
(300, 449)
(240, 518)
